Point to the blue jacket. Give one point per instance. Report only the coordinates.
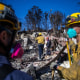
(15, 74)
(48, 44)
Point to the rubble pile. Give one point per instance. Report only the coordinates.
(46, 76)
(28, 59)
(29, 62)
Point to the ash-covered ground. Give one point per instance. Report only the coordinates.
(29, 62)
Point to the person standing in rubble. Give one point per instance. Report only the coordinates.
(9, 25)
(72, 73)
(41, 41)
(48, 44)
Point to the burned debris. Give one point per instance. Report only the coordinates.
(29, 62)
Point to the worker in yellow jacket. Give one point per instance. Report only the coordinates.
(41, 41)
(72, 73)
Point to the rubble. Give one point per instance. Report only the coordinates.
(46, 76)
(29, 62)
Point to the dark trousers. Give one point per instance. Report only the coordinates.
(40, 46)
(48, 52)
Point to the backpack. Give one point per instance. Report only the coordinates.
(18, 51)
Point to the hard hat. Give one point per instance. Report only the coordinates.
(40, 34)
(73, 19)
(7, 15)
(10, 23)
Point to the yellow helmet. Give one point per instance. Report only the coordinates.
(7, 15)
(73, 19)
(40, 34)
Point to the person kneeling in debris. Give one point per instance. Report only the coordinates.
(41, 41)
(72, 73)
(9, 25)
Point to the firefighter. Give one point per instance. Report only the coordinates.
(9, 25)
(72, 73)
(41, 41)
(72, 34)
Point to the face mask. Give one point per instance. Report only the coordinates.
(17, 51)
(72, 33)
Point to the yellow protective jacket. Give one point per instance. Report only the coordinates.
(72, 73)
(40, 39)
(72, 45)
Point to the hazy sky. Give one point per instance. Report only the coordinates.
(21, 7)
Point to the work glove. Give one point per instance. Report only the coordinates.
(53, 65)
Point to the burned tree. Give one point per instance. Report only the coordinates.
(33, 18)
(56, 19)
